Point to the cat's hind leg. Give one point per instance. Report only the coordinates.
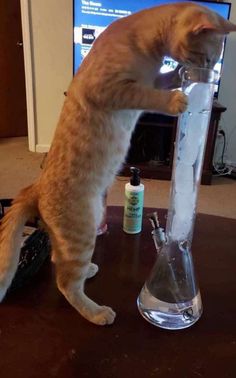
(72, 252)
(71, 276)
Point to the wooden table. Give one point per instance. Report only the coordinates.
(41, 335)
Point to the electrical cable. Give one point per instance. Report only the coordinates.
(223, 170)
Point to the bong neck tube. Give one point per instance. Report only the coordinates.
(192, 130)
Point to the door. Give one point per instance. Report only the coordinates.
(13, 115)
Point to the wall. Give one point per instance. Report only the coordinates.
(52, 38)
(227, 94)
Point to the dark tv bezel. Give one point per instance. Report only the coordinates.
(194, 1)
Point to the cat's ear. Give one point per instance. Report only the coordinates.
(205, 23)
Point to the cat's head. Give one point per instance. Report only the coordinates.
(198, 36)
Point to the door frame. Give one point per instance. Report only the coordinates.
(27, 46)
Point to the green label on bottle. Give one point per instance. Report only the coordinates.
(133, 212)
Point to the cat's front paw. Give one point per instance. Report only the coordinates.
(178, 102)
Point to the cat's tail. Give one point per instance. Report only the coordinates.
(23, 208)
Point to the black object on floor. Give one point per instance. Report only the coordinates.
(34, 252)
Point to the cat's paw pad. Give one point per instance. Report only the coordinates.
(178, 102)
(93, 269)
(104, 316)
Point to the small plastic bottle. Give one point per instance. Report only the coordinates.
(133, 211)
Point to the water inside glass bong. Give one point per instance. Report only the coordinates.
(170, 297)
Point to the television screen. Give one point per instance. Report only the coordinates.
(92, 17)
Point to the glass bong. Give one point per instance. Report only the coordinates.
(170, 297)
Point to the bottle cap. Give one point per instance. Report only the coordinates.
(135, 179)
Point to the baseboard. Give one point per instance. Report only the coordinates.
(42, 148)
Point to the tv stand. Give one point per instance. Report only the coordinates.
(152, 145)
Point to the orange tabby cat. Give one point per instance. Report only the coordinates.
(116, 81)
